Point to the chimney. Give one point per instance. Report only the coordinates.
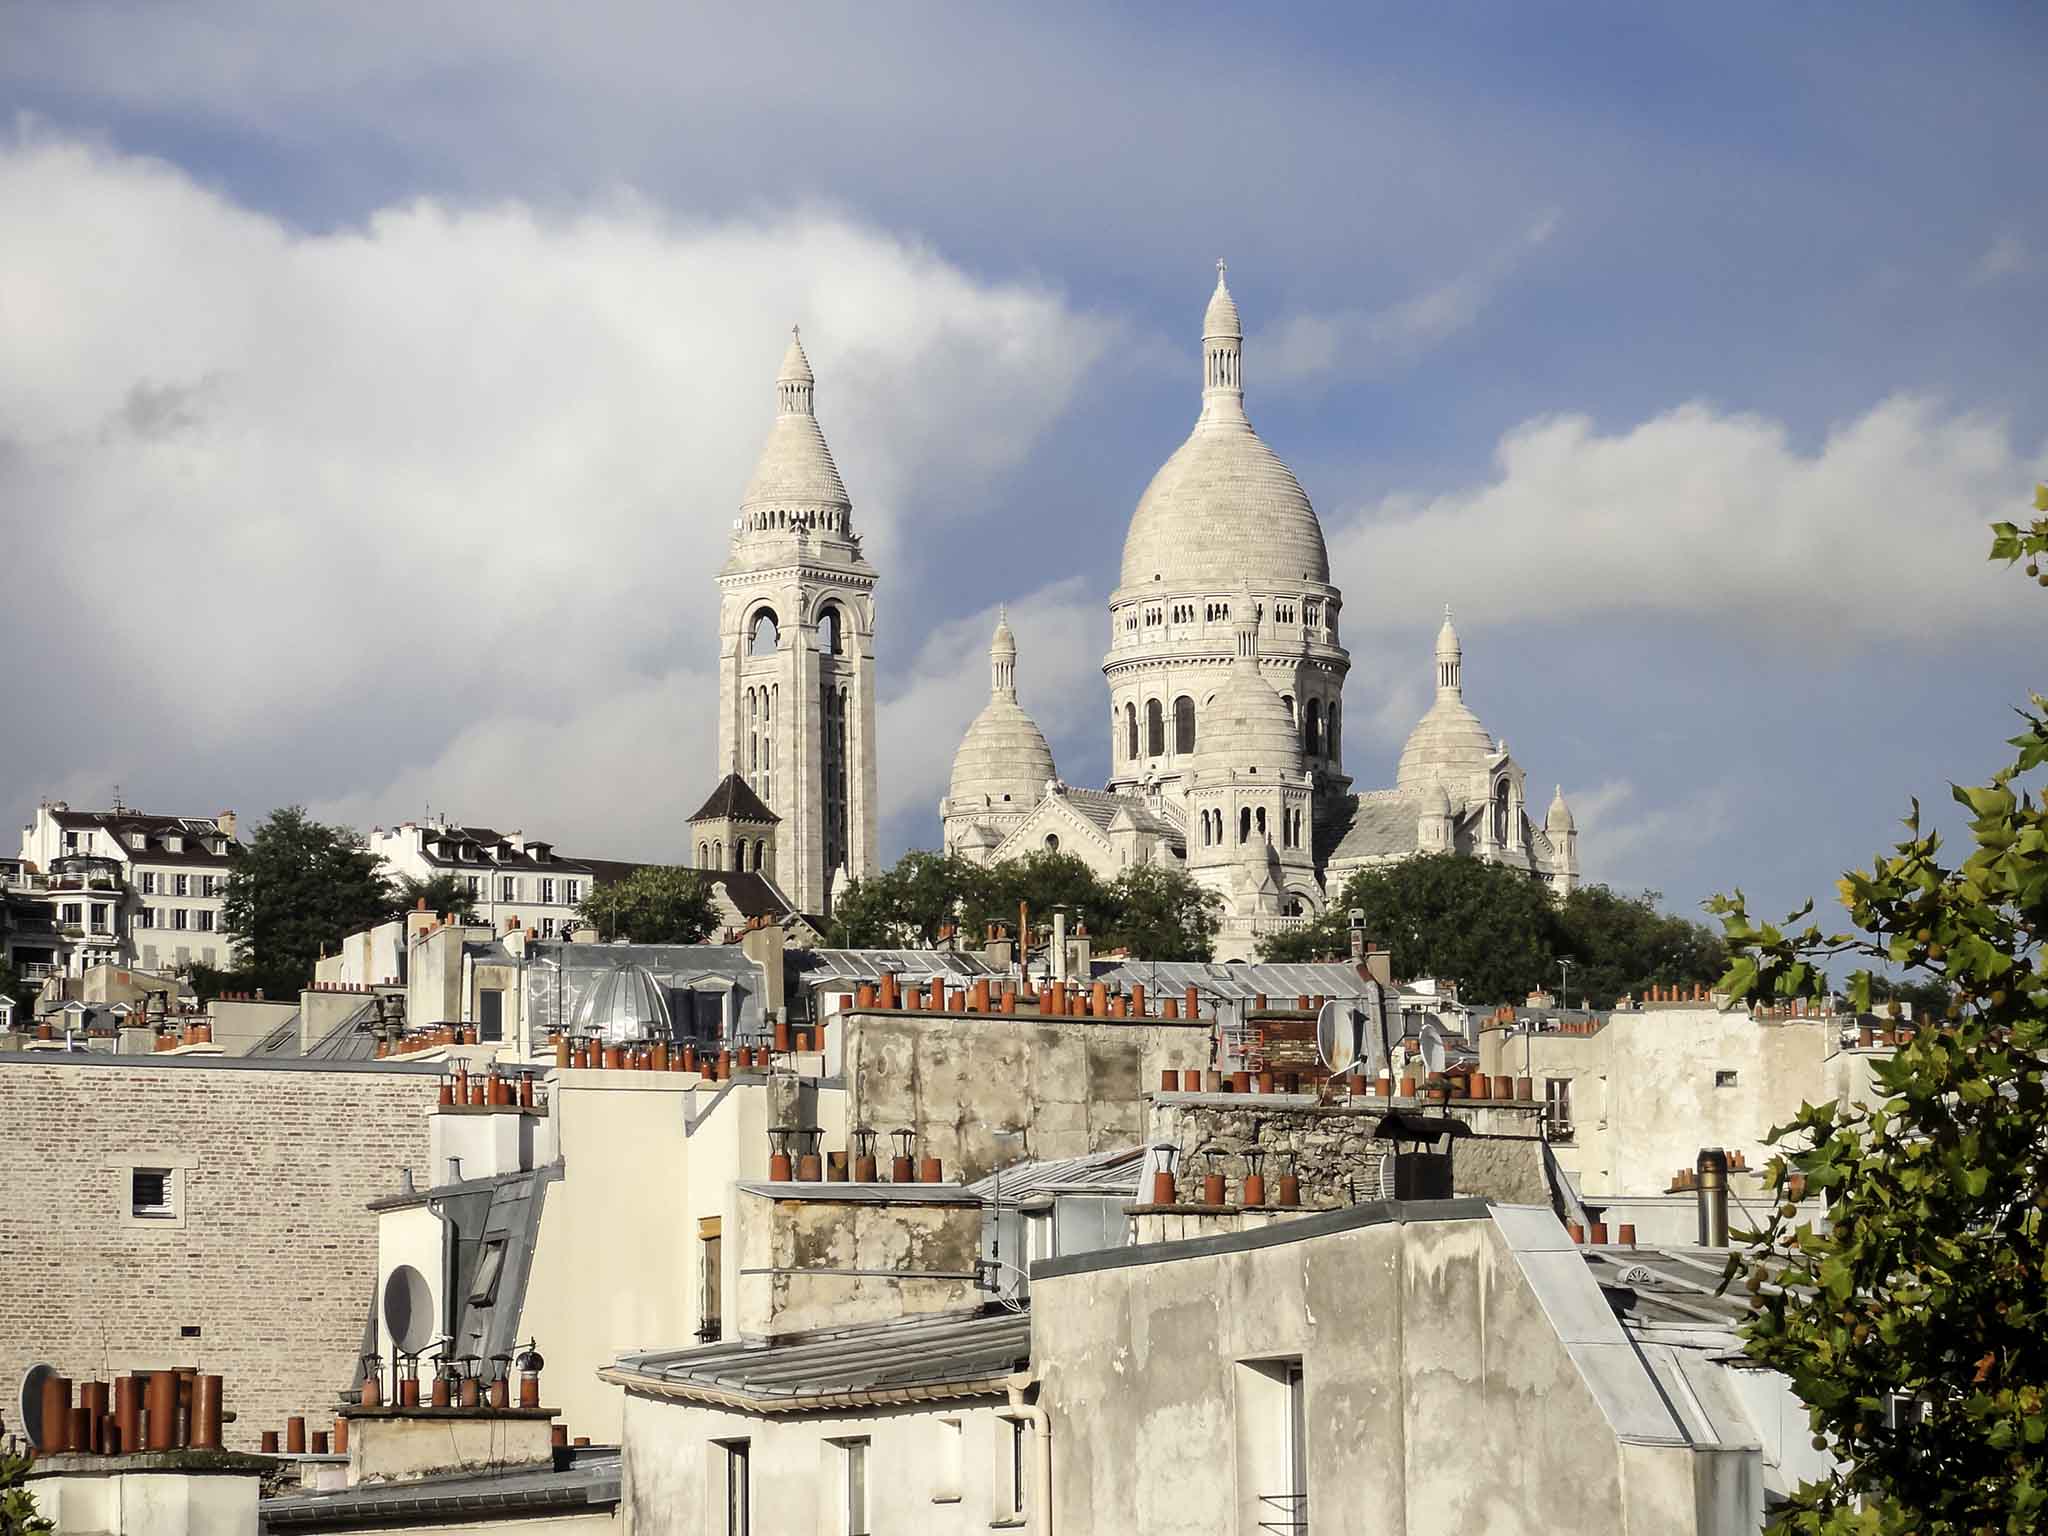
(1712, 1170)
(226, 822)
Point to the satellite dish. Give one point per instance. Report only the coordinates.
(408, 1310)
(1351, 1031)
(1431, 1039)
(32, 1401)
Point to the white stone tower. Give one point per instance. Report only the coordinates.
(1224, 511)
(796, 678)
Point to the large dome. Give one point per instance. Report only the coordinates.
(1224, 508)
(1003, 757)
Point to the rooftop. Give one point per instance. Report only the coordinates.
(587, 1478)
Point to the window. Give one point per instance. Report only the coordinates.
(1314, 739)
(181, 918)
(828, 632)
(152, 1194)
(209, 885)
(547, 927)
(853, 1487)
(483, 1290)
(1724, 1078)
(1557, 1105)
(490, 1013)
(1183, 724)
(72, 914)
(476, 886)
(1155, 729)
(547, 893)
(181, 885)
(1013, 1469)
(1131, 731)
(206, 921)
(1052, 842)
(1272, 1452)
(145, 917)
(1244, 824)
(102, 918)
(710, 1279)
(738, 1511)
(946, 1464)
(572, 892)
(762, 639)
(508, 889)
(149, 882)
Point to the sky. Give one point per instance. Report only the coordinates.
(378, 384)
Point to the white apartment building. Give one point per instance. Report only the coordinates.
(119, 887)
(507, 874)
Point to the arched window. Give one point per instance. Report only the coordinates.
(763, 638)
(1052, 842)
(1131, 732)
(1315, 728)
(1500, 812)
(1244, 825)
(703, 855)
(1259, 821)
(739, 855)
(1155, 729)
(1335, 741)
(828, 631)
(1288, 700)
(1183, 724)
(718, 855)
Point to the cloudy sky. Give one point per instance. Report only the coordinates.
(377, 385)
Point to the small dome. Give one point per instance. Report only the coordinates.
(1005, 641)
(1448, 746)
(1559, 818)
(1436, 800)
(629, 1003)
(1003, 758)
(1447, 637)
(1221, 319)
(1247, 727)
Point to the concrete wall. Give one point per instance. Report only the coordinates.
(830, 1263)
(1074, 1086)
(273, 1256)
(934, 1469)
(1440, 1393)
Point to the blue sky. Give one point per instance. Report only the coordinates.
(379, 383)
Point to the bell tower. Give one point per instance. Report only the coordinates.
(796, 669)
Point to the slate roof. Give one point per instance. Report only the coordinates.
(905, 1359)
(1100, 807)
(734, 799)
(439, 846)
(1369, 827)
(589, 1482)
(611, 871)
(754, 893)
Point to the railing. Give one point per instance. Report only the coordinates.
(1283, 1512)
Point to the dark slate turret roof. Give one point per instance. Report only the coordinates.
(734, 800)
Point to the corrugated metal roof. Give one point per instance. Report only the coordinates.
(822, 966)
(901, 1356)
(1281, 983)
(1117, 1169)
(590, 1481)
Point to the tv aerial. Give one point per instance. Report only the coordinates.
(1351, 1032)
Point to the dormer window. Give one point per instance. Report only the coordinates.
(173, 843)
(138, 841)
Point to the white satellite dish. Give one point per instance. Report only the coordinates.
(1350, 1030)
(408, 1310)
(1431, 1038)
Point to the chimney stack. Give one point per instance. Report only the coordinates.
(1712, 1171)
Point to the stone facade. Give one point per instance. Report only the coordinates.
(1224, 622)
(796, 670)
(269, 1251)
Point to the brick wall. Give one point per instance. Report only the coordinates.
(275, 1259)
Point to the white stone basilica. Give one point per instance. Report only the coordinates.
(1226, 682)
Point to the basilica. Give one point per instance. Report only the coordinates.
(1226, 707)
(1226, 696)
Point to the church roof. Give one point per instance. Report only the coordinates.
(795, 469)
(734, 800)
(1448, 743)
(1247, 727)
(1101, 807)
(1224, 507)
(1003, 758)
(1371, 827)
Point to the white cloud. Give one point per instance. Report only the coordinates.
(1347, 342)
(1877, 536)
(431, 507)
(2007, 257)
(1626, 843)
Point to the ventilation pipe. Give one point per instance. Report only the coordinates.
(1712, 1170)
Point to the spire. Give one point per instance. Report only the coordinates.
(1002, 658)
(794, 383)
(1559, 820)
(1450, 659)
(1222, 355)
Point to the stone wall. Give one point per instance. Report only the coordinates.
(272, 1258)
(1338, 1157)
(1073, 1086)
(819, 1262)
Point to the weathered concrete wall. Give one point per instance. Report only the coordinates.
(1439, 1394)
(274, 1256)
(942, 1469)
(1073, 1086)
(1338, 1158)
(819, 1263)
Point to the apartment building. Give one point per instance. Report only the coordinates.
(507, 874)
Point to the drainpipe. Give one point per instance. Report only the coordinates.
(1041, 1440)
(449, 1252)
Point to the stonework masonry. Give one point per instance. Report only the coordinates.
(269, 1252)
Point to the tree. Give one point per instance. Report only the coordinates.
(449, 894)
(1157, 912)
(656, 904)
(294, 889)
(1620, 945)
(1488, 927)
(13, 986)
(18, 1515)
(1930, 1280)
(908, 903)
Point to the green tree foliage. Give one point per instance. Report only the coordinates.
(1156, 913)
(440, 893)
(13, 986)
(1620, 945)
(18, 1515)
(656, 904)
(295, 888)
(1931, 1278)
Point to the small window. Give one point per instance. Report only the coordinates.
(946, 1464)
(1052, 842)
(853, 1487)
(710, 1282)
(490, 1013)
(152, 1194)
(483, 1290)
(1724, 1078)
(738, 1496)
